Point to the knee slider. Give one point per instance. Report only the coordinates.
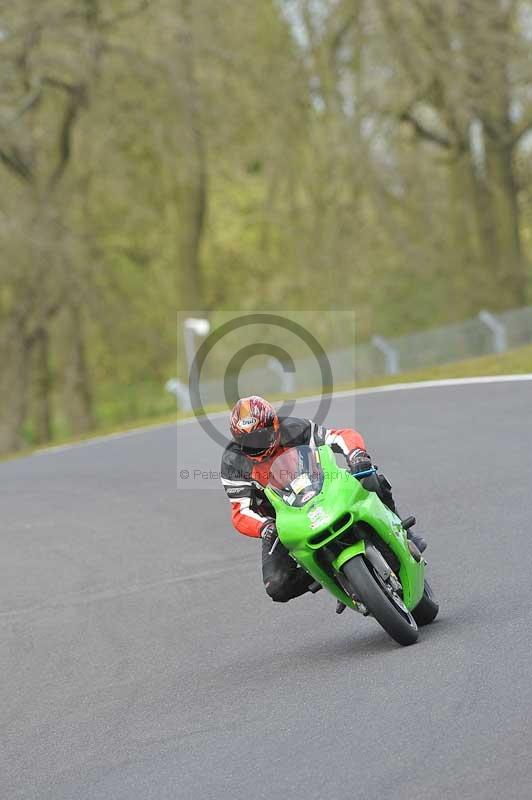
(276, 589)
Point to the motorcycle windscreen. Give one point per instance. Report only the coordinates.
(296, 475)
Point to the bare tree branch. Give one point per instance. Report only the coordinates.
(18, 166)
(398, 41)
(29, 101)
(424, 132)
(57, 83)
(76, 102)
(522, 128)
(343, 28)
(125, 15)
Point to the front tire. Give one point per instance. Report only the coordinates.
(398, 623)
(427, 609)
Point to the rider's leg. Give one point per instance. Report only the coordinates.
(282, 578)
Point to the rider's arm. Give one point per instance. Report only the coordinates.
(244, 519)
(296, 431)
(239, 490)
(342, 440)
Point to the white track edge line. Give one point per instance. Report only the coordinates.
(390, 387)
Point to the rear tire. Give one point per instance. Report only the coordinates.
(400, 625)
(427, 609)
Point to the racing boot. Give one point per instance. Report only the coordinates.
(418, 540)
(416, 543)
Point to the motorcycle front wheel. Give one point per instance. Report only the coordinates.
(383, 603)
(427, 609)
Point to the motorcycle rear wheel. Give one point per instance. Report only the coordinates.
(398, 622)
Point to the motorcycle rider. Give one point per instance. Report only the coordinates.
(259, 436)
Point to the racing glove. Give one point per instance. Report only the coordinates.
(359, 461)
(268, 533)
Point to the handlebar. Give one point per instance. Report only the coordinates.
(365, 473)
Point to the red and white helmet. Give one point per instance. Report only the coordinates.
(255, 427)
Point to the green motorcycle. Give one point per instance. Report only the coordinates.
(343, 535)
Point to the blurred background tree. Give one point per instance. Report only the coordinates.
(200, 154)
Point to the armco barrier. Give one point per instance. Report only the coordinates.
(482, 335)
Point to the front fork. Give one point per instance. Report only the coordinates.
(358, 549)
(375, 558)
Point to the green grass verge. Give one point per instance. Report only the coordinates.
(517, 361)
(514, 362)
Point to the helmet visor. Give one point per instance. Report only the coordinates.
(257, 442)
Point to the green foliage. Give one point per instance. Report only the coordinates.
(209, 155)
(518, 361)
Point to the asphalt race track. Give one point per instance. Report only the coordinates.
(140, 658)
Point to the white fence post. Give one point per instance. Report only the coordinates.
(288, 384)
(193, 326)
(175, 387)
(391, 354)
(498, 330)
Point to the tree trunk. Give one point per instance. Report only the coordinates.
(42, 385)
(491, 96)
(465, 258)
(486, 230)
(13, 386)
(511, 275)
(78, 394)
(191, 171)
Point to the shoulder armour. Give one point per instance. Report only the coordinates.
(235, 465)
(294, 431)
